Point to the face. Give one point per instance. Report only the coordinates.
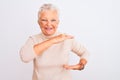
(48, 22)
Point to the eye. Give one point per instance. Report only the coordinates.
(43, 20)
(53, 20)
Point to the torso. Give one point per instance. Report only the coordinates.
(49, 65)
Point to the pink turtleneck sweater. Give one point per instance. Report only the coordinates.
(49, 65)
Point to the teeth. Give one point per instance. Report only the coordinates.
(48, 28)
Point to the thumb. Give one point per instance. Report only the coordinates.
(69, 36)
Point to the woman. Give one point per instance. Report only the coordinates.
(50, 49)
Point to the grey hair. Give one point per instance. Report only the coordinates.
(46, 7)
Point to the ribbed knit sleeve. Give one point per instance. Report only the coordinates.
(27, 52)
(80, 50)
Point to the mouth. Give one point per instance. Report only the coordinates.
(48, 28)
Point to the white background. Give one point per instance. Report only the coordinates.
(95, 23)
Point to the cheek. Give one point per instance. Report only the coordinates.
(42, 24)
(55, 24)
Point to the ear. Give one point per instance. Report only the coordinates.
(58, 21)
(38, 21)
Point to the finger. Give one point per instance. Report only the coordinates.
(69, 36)
(71, 67)
(81, 68)
(66, 66)
(74, 67)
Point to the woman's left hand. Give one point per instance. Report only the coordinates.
(74, 67)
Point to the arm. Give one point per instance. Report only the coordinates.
(27, 52)
(79, 66)
(82, 52)
(30, 50)
(41, 47)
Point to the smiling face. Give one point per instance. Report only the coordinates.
(48, 22)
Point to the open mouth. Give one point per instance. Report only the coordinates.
(48, 28)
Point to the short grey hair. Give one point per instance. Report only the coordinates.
(45, 7)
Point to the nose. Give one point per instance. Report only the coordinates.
(48, 23)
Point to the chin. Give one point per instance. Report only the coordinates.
(50, 34)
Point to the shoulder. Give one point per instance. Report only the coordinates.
(73, 42)
(36, 37)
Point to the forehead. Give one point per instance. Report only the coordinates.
(49, 13)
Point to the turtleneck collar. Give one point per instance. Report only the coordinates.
(47, 37)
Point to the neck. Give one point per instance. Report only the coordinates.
(47, 37)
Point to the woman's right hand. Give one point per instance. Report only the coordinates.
(60, 38)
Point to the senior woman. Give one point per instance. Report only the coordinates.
(50, 49)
